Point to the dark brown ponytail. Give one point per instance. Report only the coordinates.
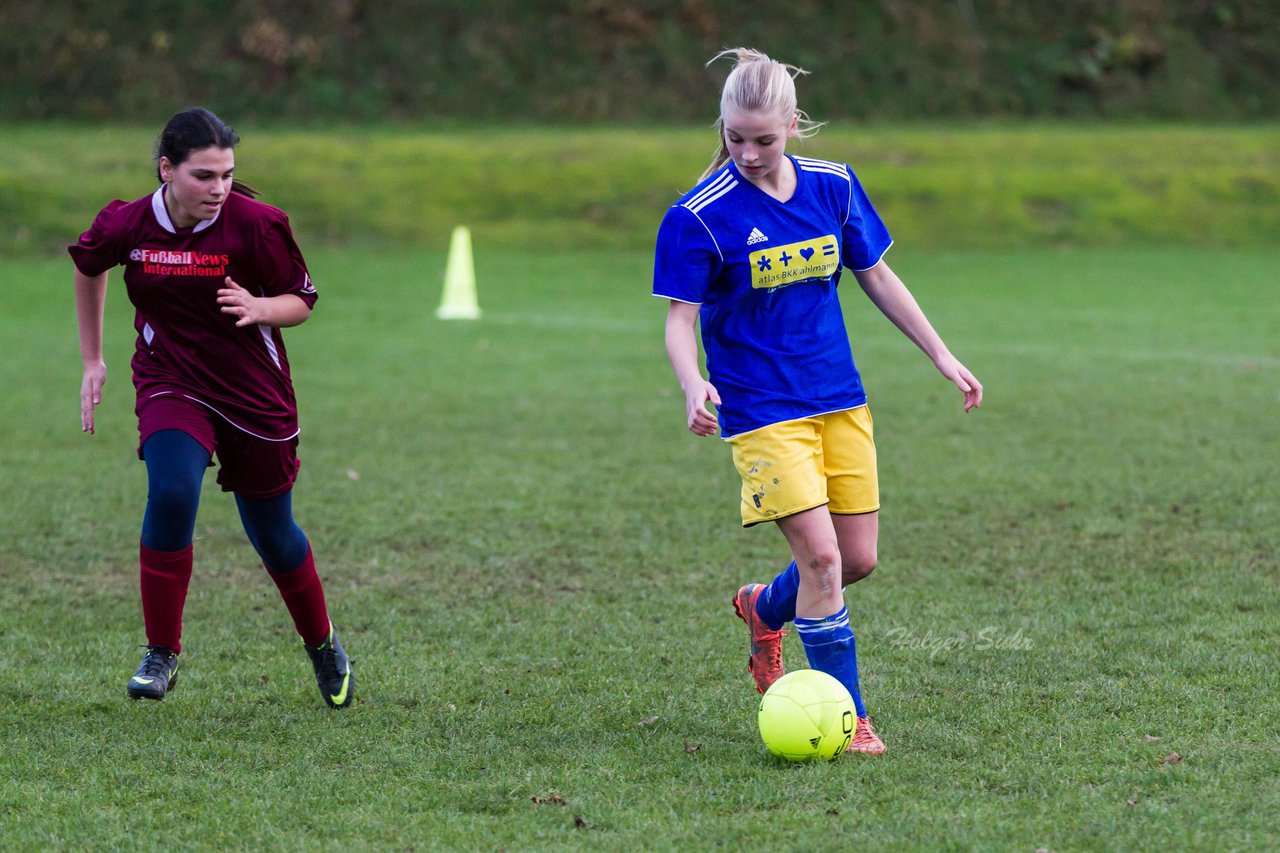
(191, 130)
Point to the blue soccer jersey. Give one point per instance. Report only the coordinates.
(765, 273)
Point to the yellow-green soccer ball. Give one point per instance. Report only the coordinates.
(806, 715)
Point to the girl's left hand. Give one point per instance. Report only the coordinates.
(951, 368)
(240, 303)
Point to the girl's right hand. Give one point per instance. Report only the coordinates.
(701, 420)
(95, 376)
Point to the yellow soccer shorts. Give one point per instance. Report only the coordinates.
(793, 466)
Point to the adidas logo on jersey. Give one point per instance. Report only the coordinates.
(755, 237)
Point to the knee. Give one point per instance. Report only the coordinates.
(857, 567)
(281, 548)
(172, 502)
(822, 566)
(170, 518)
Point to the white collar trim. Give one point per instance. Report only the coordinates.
(162, 214)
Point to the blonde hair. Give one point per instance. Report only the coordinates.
(758, 84)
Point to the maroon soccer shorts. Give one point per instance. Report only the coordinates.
(252, 467)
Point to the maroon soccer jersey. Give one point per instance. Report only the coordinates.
(186, 345)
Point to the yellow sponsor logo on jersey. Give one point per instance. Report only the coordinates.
(808, 260)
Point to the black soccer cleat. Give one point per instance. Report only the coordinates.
(156, 675)
(333, 671)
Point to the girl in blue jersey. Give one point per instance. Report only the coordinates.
(754, 254)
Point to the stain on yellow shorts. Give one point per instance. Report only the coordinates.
(792, 466)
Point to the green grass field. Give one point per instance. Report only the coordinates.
(1069, 644)
(979, 186)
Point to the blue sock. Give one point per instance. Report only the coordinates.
(776, 606)
(830, 647)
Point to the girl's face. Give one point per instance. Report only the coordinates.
(757, 142)
(198, 185)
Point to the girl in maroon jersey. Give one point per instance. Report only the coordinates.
(213, 275)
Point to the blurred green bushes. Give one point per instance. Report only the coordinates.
(938, 187)
(587, 60)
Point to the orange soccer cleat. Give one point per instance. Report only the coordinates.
(765, 660)
(865, 739)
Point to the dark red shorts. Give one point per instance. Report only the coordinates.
(252, 467)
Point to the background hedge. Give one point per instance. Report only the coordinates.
(590, 60)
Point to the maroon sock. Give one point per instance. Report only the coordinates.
(164, 577)
(304, 596)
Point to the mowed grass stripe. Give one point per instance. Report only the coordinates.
(995, 186)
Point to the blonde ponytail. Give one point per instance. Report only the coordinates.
(757, 84)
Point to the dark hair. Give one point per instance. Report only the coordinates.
(191, 130)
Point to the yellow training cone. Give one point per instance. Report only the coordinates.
(459, 301)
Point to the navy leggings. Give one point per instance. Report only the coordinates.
(176, 463)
